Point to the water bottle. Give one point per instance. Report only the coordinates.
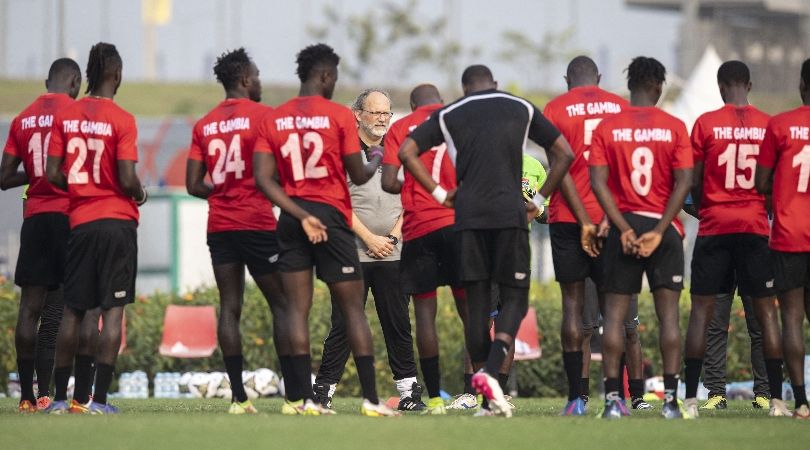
(13, 387)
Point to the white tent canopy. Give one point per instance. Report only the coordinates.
(699, 93)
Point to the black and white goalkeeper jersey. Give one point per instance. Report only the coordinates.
(486, 134)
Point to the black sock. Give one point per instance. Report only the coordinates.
(585, 387)
(622, 366)
(484, 402)
(692, 368)
(468, 389)
(636, 388)
(61, 378)
(302, 370)
(799, 394)
(26, 372)
(84, 378)
(497, 353)
(104, 376)
(430, 371)
(671, 389)
(233, 365)
(773, 367)
(44, 371)
(611, 387)
(365, 371)
(503, 378)
(572, 363)
(292, 391)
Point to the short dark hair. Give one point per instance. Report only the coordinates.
(733, 72)
(581, 67)
(313, 57)
(806, 72)
(644, 72)
(232, 66)
(104, 60)
(63, 68)
(477, 72)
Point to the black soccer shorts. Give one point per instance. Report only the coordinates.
(43, 251)
(722, 261)
(571, 263)
(791, 270)
(500, 254)
(335, 260)
(429, 261)
(664, 268)
(257, 249)
(102, 263)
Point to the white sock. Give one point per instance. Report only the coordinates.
(405, 386)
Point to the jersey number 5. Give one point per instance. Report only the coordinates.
(77, 174)
(292, 149)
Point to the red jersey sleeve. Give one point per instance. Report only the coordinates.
(698, 145)
(391, 145)
(263, 136)
(767, 150)
(11, 143)
(682, 157)
(598, 156)
(195, 150)
(349, 143)
(56, 147)
(127, 147)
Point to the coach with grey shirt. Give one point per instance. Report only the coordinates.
(377, 223)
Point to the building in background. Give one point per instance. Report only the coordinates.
(771, 36)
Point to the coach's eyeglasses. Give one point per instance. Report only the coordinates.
(383, 114)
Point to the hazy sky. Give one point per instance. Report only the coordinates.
(273, 31)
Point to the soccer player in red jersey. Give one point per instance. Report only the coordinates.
(783, 170)
(428, 253)
(44, 234)
(241, 224)
(311, 142)
(92, 155)
(641, 171)
(576, 114)
(732, 244)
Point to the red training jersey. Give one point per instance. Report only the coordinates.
(786, 150)
(641, 147)
(28, 139)
(309, 137)
(727, 142)
(92, 135)
(422, 213)
(576, 114)
(224, 140)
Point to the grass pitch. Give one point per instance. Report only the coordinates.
(203, 424)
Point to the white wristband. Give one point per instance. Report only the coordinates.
(439, 194)
(539, 201)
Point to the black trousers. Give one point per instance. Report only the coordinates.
(714, 363)
(392, 309)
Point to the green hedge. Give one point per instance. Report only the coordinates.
(543, 377)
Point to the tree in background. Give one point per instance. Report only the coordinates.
(398, 29)
(554, 48)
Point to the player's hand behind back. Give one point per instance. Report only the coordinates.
(451, 198)
(589, 240)
(647, 243)
(629, 242)
(315, 229)
(532, 211)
